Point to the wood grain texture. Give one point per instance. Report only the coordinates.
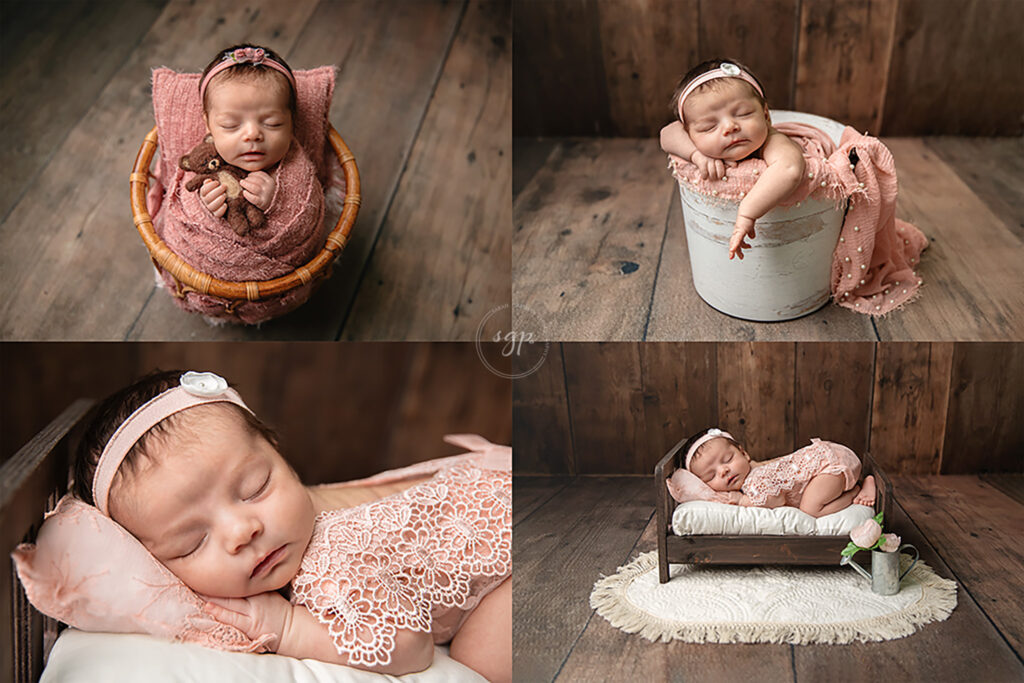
(976, 529)
(971, 270)
(542, 432)
(965, 646)
(557, 71)
(680, 393)
(755, 396)
(606, 405)
(588, 230)
(645, 47)
(993, 168)
(937, 69)
(531, 493)
(844, 52)
(983, 429)
(832, 398)
(909, 404)
(31, 34)
(560, 550)
(762, 40)
(441, 262)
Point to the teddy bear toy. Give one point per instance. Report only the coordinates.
(204, 161)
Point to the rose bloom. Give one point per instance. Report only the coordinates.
(891, 543)
(866, 534)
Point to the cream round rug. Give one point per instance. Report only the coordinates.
(767, 604)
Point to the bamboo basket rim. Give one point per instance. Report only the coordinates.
(189, 278)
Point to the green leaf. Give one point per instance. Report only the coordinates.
(878, 518)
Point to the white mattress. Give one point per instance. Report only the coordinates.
(78, 656)
(703, 518)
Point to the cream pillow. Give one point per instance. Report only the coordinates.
(701, 517)
(82, 657)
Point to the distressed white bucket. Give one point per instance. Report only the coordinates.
(785, 274)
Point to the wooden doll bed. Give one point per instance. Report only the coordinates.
(721, 549)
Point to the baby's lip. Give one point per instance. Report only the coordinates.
(736, 142)
(268, 561)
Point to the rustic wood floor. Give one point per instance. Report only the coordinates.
(569, 532)
(599, 250)
(422, 99)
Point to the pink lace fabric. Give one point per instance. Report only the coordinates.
(419, 560)
(790, 474)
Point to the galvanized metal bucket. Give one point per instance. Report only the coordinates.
(786, 272)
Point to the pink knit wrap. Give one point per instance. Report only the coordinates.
(874, 246)
(294, 231)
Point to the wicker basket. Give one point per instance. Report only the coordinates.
(190, 279)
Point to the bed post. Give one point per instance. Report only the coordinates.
(31, 482)
(663, 508)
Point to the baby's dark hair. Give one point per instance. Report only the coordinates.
(680, 458)
(111, 412)
(703, 68)
(259, 71)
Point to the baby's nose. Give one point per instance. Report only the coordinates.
(244, 531)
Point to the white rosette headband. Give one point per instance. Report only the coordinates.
(194, 388)
(724, 70)
(713, 433)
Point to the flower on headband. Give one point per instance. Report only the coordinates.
(729, 69)
(715, 431)
(203, 383)
(250, 55)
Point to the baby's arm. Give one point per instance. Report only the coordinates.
(785, 170)
(300, 635)
(675, 141)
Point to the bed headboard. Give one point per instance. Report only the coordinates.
(31, 483)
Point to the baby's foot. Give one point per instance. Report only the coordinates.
(867, 492)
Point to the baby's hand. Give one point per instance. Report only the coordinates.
(708, 167)
(215, 197)
(256, 616)
(735, 497)
(258, 189)
(744, 228)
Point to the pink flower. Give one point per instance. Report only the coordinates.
(866, 534)
(891, 543)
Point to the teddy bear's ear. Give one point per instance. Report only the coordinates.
(208, 139)
(184, 163)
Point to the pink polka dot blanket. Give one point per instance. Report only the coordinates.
(874, 265)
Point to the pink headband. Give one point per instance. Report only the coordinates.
(711, 434)
(245, 55)
(724, 70)
(195, 388)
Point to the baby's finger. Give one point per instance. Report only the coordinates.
(719, 169)
(250, 197)
(731, 164)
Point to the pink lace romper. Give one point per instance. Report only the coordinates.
(789, 474)
(420, 559)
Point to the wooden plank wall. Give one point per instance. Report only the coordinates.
(919, 408)
(342, 410)
(892, 67)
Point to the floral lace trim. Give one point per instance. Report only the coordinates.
(388, 565)
(788, 472)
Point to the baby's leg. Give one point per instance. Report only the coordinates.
(484, 643)
(867, 492)
(824, 495)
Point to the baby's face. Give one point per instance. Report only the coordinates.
(218, 506)
(721, 465)
(250, 122)
(727, 122)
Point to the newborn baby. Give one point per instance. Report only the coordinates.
(723, 119)
(819, 479)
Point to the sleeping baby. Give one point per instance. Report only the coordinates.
(819, 479)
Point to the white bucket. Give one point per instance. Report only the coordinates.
(785, 274)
